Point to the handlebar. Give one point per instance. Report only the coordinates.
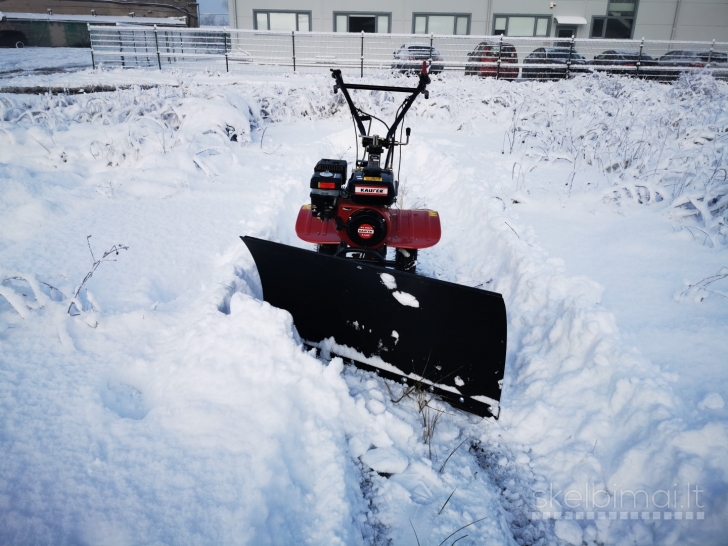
(388, 141)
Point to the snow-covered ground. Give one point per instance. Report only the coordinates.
(172, 405)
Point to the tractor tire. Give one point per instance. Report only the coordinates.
(406, 260)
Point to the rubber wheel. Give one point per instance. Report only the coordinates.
(329, 250)
(406, 260)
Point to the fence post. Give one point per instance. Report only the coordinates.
(293, 41)
(133, 41)
(227, 67)
(362, 54)
(568, 61)
(93, 61)
(156, 41)
(432, 35)
(500, 54)
(146, 47)
(121, 49)
(710, 53)
(639, 57)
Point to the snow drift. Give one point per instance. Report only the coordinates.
(177, 407)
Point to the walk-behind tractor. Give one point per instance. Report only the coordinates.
(348, 299)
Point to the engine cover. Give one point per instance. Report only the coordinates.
(367, 228)
(372, 186)
(405, 228)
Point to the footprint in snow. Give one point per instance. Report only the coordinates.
(124, 400)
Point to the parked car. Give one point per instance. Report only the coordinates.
(409, 57)
(12, 38)
(673, 63)
(490, 52)
(562, 59)
(624, 62)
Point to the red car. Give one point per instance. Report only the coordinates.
(490, 52)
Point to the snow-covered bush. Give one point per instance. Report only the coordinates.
(640, 140)
(648, 142)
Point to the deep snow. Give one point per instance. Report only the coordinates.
(178, 407)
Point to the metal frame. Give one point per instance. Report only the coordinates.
(451, 14)
(535, 23)
(375, 14)
(295, 11)
(136, 46)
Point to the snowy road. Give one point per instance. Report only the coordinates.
(190, 414)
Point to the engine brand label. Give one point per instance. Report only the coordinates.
(370, 190)
(372, 179)
(365, 231)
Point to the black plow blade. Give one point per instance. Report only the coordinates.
(447, 338)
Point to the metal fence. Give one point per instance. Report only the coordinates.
(253, 51)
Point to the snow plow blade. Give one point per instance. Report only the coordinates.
(444, 337)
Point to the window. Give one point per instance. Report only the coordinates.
(612, 27)
(441, 23)
(621, 9)
(522, 25)
(619, 22)
(282, 20)
(362, 22)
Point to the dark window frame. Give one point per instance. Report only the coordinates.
(427, 14)
(634, 13)
(375, 14)
(295, 11)
(561, 26)
(537, 16)
(605, 19)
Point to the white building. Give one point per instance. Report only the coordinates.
(651, 19)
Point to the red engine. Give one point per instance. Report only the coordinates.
(357, 216)
(354, 216)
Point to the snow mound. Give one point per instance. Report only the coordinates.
(385, 460)
(569, 531)
(194, 402)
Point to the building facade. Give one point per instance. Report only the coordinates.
(624, 19)
(53, 23)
